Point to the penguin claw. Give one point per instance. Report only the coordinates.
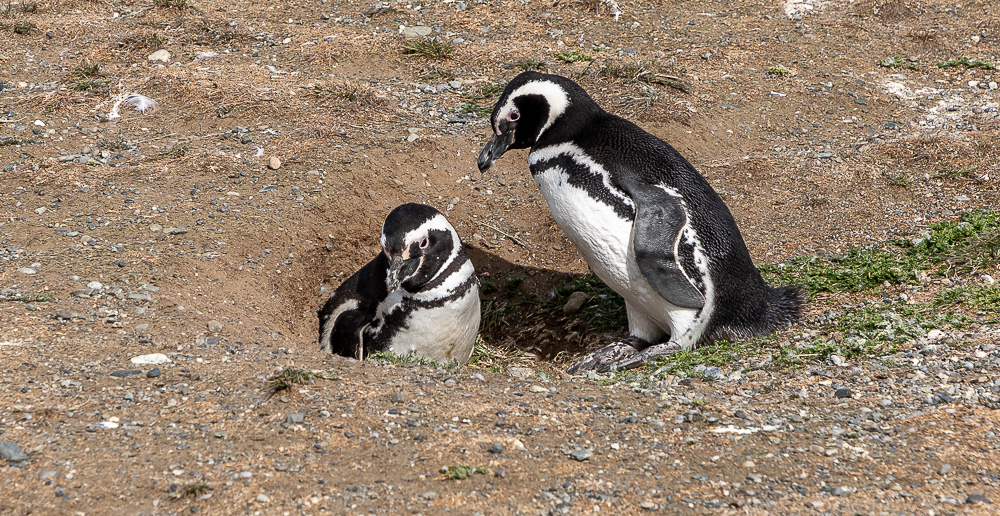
(642, 357)
(615, 352)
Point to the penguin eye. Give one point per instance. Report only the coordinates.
(514, 115)
(424, 243)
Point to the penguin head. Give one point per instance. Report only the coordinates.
(528, 107)
(419, 242)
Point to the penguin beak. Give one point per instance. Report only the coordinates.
(392, 279)
(495, 148)
(399, 271)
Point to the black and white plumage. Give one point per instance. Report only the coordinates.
(420, 295)
(648, 224)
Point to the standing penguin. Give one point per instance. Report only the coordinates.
(648, 224)
(420, 295)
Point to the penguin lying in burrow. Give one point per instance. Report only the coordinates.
(420, 295)
(647, 223)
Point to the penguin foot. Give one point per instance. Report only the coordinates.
(639, 358)
(613, 353)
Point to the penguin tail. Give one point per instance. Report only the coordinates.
(784, 307)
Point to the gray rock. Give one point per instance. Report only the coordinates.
(12, 452)
(42, 475)
(575, 302)
(160, 55)
(416, 32)
(977, 498)
(945, 469)
(153, 373)
(429, 495)
(496, 448)
(582, 454)
(214, 326)
(397, 397)
(126, 373)
(175, 231)
(843, 392)
(295, 417)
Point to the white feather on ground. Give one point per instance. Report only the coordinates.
(141, 103)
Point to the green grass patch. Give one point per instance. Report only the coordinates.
(604, 309)
(572, 56)
(778, 71)
(88, 85)
(8, 142)
(291, 376)
(475, 109)
(982, 299)
(176, 152)
(175, 4)
(429, 47)
(191, 490)
(967, 63)
(949, 173)
(481, 99)
(638, 72)
(461, 472)
(897, 62)
(28, 298)
(388, 357)
(901, 181)
(949, 247)
(85, 71)
(525, 65)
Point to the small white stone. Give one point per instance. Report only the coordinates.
(152, 359)
(160, 55)
(263, 498)
(40, 210)
(935, 334)
(96, 285)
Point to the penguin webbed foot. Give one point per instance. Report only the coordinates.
(642, 357)
(616, 352)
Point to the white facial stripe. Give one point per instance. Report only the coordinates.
(556, 97)
(436, 222)
(581, 157)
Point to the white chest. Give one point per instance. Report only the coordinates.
(447, 332)
(598, 233)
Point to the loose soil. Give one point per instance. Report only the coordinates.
(168, 232)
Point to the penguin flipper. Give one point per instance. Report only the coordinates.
(659, 220)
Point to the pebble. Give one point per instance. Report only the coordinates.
(977, 498)
(175, 231)
(125, 373)
(151, 359)
(575, 302)
(538, 389)
(496, 448)
(581, 454)
(214, 326)
(48, 473)
(153, 373)
(397, 397)
(649, 506)
(418, 31)
(295, 417)
(273, 163)
(26, 270)
(843, 392)
(161, 55)
(263, 498)
(429, 495)
(945, 469)
(521, 373)
(12, 452)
